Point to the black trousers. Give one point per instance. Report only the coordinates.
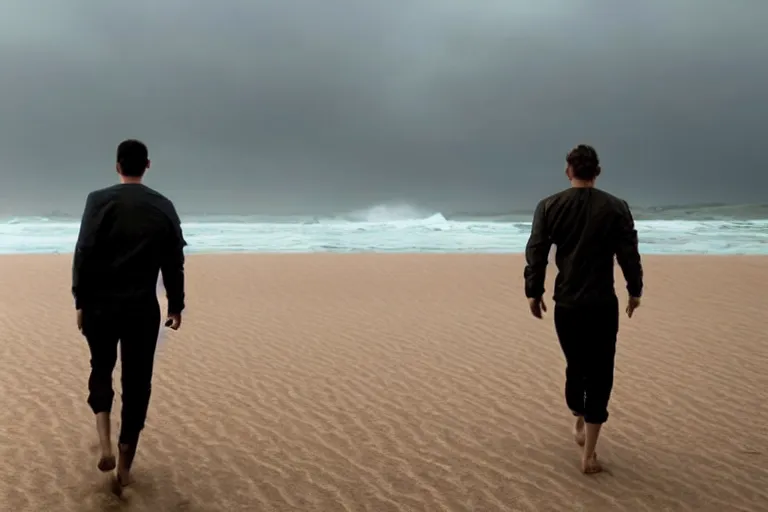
(136, 326)
(587, 336)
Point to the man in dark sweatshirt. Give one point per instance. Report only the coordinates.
(589, 228)
(129, 234)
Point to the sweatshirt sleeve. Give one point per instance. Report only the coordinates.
(537, 254)
(82, 259)
(172, 267)
(628, 253)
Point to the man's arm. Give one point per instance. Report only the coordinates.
(172, 266)
(628, 254)
(537, 254)
(86, 240)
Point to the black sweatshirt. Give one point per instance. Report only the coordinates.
(129, 233)
(589, 227)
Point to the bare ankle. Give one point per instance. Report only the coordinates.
(592, 431)
(104, 431)
(127, 454)
(578, 431)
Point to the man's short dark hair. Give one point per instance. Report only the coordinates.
(133, 157)
(584, 162)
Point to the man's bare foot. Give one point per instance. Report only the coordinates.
(103, 429)
(118, 484)
(590, 465)
(579, 435)
(122, 479)
(123, 476)
(107, 462)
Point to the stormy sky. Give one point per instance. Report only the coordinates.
(307, 106)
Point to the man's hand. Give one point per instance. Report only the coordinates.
(537, 307)
(80, 320)
(632, 304)
(173, 321)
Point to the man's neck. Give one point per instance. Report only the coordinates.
(582, 183)
(130, 180)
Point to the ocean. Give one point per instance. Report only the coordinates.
(698, 229)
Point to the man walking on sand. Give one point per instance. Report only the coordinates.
(129, 234)
(589, 227)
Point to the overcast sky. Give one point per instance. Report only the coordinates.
(277, 106)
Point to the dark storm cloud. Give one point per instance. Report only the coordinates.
(300, 105)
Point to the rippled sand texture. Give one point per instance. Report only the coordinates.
(393, 383)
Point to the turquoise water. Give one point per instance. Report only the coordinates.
(432, 233)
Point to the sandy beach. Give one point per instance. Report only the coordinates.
(393, 383)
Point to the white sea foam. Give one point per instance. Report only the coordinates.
(396, 228)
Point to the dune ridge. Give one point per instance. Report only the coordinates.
(393, 383)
